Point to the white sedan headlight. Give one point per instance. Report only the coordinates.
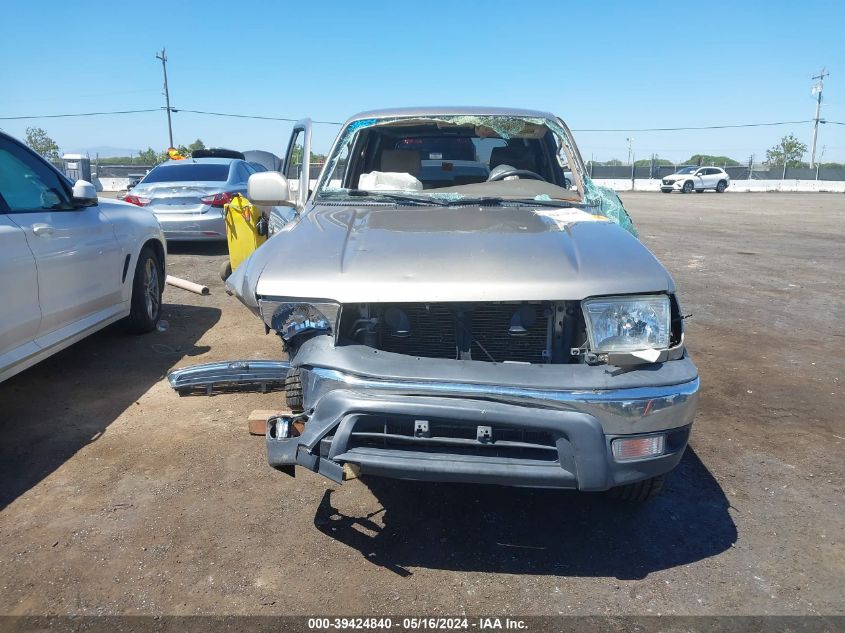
(627, 324)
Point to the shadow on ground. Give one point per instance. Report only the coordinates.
(198, 248)
(52, 410)
(522, 531)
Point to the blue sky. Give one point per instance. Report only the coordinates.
(597, 65)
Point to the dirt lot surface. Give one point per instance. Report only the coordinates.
(119, 497)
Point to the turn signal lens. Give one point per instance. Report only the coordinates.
(136, 200)
(219, 199)
(638, 447)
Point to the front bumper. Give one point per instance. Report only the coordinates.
(193, 227)
(469, 421)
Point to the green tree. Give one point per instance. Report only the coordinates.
(702, 160)
(197, 144)
(151, 157)
(38, 140)
(789, 151)
(296, 156)
(646, 162)
(613, 162)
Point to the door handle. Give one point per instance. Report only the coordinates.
(42, 229)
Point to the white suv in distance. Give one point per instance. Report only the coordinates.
(696, 179)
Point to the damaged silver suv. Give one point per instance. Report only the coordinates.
(454, 309)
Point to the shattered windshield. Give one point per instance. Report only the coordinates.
(447, 158)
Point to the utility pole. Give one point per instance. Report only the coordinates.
(163, 58)
(817, 90)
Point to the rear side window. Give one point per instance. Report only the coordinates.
(188, 172)
(241, 172)
(27, 184)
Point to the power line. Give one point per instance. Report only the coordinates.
(700, 127)
(59, 116)
(252, 116)
(272, 118)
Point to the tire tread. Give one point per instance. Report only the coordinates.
(293, 390)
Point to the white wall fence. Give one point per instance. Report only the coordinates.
(620, 184)
(112, 184)
(736, 186)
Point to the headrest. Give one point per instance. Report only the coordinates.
(404, 161)
(517, 157)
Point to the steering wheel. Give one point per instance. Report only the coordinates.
(520, 173)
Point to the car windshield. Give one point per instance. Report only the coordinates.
(452, 157)
(687, 170)
(189, 172)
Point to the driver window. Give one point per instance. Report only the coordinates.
(484, 148)
(293, 164)
(26, 184)
(563, 161)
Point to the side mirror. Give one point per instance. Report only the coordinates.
(268, 188)
(84, 194)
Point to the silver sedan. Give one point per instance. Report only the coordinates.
(187, 196)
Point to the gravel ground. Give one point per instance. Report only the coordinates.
(119, 497)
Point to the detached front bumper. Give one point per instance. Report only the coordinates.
(467, 421)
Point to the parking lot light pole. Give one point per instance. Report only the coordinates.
(163, 58)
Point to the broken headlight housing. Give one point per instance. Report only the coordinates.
(294, 318)
(628, 324)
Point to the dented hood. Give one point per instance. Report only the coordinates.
(371, 254)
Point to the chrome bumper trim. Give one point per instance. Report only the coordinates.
(625, 410)
(263, 374)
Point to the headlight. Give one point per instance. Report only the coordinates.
(627, 324)
(292, 318)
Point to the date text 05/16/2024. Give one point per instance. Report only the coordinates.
(418, 624)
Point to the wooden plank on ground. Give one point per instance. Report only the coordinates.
(257, 420)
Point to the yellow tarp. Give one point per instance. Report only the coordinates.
(242, 229)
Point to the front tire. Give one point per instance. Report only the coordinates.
(639, 492)
(688, 187)
(293, 390)
(720, 188)
(147, 288)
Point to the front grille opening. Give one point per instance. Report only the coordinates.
(452, 437)
(519, 332)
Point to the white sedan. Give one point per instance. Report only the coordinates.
(696, 179)
(70, 264)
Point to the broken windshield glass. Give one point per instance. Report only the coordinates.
(443, 160)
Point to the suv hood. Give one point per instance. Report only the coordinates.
(372, 254)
